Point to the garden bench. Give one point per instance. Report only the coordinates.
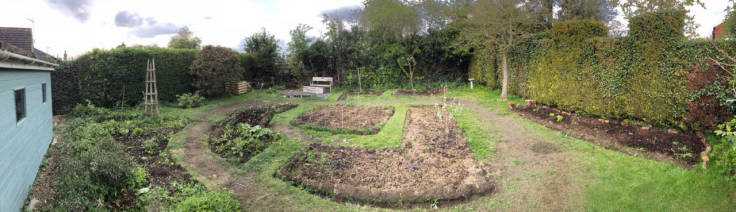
(318, 85)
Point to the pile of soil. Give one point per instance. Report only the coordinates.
(255, 116)
(434, 164)
(361, 120)
(354, 92)
(682, 147)
(425, 92)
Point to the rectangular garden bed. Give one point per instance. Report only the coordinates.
(682, 147)
(362, 120)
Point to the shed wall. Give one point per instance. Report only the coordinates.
(22, 144)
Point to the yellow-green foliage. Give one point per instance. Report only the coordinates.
(666, 25)
(483, 69)
(575, 32)
(621, 78)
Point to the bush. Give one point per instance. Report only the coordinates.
(102, 173)
(242, 141)
(114, 77)
(213, 67)
(189, 100)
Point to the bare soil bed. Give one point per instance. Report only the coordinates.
(354, 92)
(679, 146)
(425, 92)
(255, 116)
(435, 164)
(362, 120)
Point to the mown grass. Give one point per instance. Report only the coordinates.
(480, 136)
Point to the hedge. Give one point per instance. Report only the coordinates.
(653, 75)
(114, 77)
(65, 88)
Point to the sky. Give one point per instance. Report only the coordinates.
(77, 26)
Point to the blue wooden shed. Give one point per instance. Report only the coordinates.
(26, 126)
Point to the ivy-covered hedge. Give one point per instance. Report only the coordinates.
(653, 75)
(111, 77)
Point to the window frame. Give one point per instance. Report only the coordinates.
(24, 111)
(43, 92)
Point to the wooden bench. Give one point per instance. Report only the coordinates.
(318, 84)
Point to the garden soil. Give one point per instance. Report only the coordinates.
(355, 119)
(435, 163)
(348, 93)
(425, 92)
(660, 144)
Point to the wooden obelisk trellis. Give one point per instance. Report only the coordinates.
(151, 93)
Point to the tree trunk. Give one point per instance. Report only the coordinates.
(505, 84)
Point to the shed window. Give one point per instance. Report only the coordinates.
(20, 104)
(43, 92)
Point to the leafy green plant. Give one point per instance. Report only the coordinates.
(559, 118)
(242, 141)
(189, 100)
(100, 174)
(724, 151)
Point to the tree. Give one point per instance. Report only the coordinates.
(498, 24)
(730, 21)
(212, 68)
(264, 49)
(390, 19)
(407, 65)
(633, 8)
(601, 10)
(184, 39)
(298, 50)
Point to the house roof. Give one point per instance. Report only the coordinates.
(17, 52)
(18, 37)
(13, 57)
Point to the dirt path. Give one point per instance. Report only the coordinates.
(523, 156)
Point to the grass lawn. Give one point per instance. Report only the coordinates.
(605, 180)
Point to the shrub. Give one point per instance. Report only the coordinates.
(102, 173)
(189, 100)
(242, 141)
(213, 67)
(113, 77)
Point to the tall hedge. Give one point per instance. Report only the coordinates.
(213, 67)
(65, 88)
(114, 77)
(648, 75)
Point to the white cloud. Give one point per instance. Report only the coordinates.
(59, 26)
(78, 26)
